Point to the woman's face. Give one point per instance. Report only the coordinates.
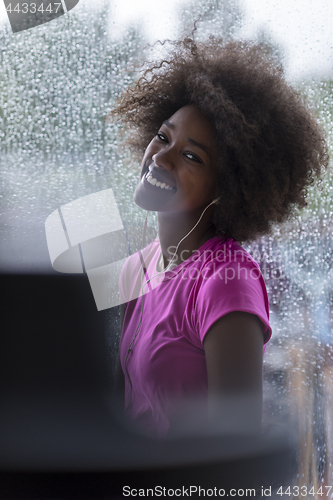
(179, 167)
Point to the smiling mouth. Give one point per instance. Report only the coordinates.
(149, 177)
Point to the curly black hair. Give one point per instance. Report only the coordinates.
(271, 147)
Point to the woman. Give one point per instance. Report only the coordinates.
(231, 150)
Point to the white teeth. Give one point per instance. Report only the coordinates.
(157, 183)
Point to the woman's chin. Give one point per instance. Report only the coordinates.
(143, 201)
(144, 206)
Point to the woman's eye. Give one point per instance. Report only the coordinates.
(193, 157)
(161, 136)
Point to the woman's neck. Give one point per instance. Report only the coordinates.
(173, 226)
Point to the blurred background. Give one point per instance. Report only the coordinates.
(57, 84)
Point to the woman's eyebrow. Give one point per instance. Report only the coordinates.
(168, 124)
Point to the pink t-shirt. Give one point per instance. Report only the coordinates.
(167, 362)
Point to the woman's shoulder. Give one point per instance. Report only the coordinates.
(230, 281)
(229, 273)
(224, 252)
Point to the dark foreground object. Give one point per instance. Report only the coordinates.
(58, 436)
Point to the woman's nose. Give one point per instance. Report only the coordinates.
(163, 159)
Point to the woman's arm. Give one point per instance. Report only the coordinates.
(234, 351)
(119, 383)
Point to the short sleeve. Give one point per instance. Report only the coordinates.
(228, 287)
